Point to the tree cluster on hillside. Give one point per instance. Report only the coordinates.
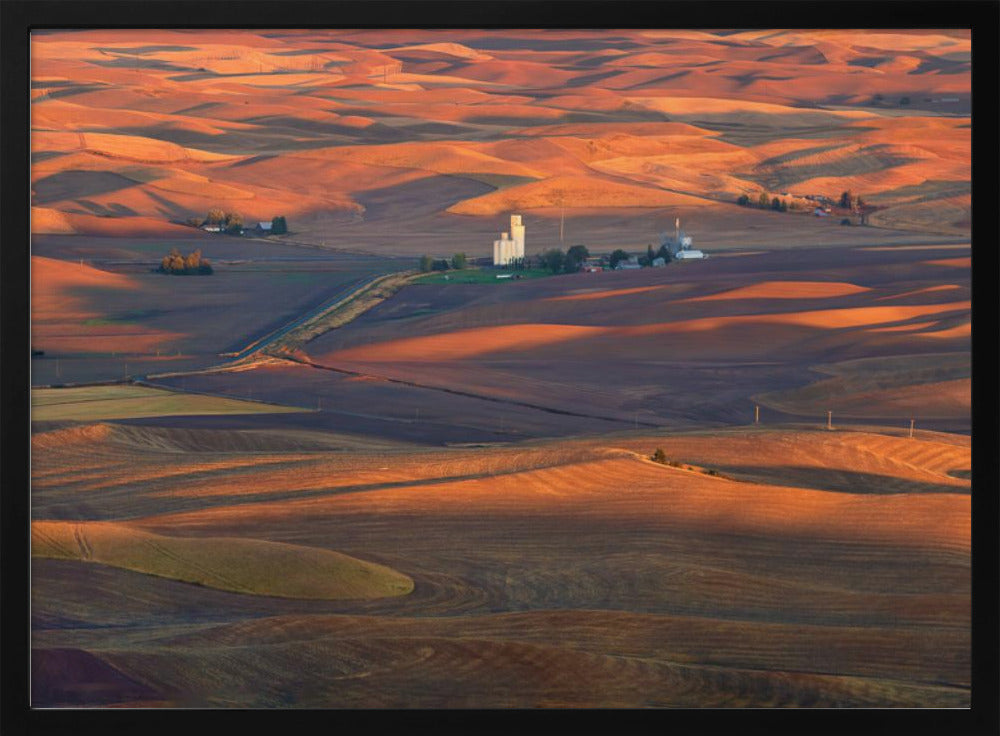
(457, 262)
(553, 260)
(617, 257)
(763, 203)
(850, 201)
(191, 264)
(230, 222)
(571, 261)
(278, 225)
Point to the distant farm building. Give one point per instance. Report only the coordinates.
(679, 244)
(820, 212)
(627, 265)
(262, 228)
(212, 228)
(657, 262)
(510, 246)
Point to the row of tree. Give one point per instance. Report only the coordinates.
(762, 202)
(457, 262)
(620, 255)
(553, 260)
(232, 222)
(848, 201)
(571, 261)
(191, 264)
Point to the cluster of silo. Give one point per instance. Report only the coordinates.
(510, 246)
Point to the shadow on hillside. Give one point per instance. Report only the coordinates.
(831, 479)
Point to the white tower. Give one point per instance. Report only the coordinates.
(517, 235)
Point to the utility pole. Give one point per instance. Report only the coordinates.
(756, 414)
(562, 220)
(829, 420)
(911, 429)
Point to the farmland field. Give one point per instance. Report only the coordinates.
(317, 478)
(97, 403)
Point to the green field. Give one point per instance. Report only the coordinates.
(242, 565)
(479, 276)
(98, 403)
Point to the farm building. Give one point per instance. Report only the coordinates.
(679, 244)
(262, 228)
(511, 248)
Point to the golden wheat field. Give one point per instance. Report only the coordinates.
(309, 476)
(812, 568)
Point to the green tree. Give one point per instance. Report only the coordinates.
(440, 264)
(743, 200)
(575, 257)
(650, 255)
(459, 261)
(762, 201)
(776, 204)
(215, 216)
(553, 260)
(426, 263)
(846, 200)
(784, 206)
(660, 456)
(278, 225)
(617, 256)
(664, 253)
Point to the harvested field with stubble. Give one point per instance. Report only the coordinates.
(317, 479)
(464, 445)
(789, 580)
(880, 336)
(423, 142)
(99, 313)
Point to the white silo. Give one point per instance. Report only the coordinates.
(517, 235)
